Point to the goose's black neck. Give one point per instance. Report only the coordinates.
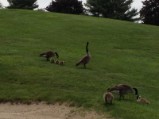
(87, 47)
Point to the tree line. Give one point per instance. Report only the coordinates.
(115, 9)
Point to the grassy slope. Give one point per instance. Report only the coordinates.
(122, 52)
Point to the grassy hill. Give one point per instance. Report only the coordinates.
(122, 52)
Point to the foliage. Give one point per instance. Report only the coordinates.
(150, 12)
(122, 52)
(116, 9)
(66, 6)
(22, 4)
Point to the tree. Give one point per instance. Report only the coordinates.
(150, 12)
(66, 6)
(22, 4)
(116, 9)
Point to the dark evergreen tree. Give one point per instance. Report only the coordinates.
(116, 9)
(150, 12)
(66, 6)
(22, 4)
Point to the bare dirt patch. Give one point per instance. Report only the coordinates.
(44, 111)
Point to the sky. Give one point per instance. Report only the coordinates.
(43, 3)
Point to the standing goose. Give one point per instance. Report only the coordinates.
(123, 90)
(85, 60)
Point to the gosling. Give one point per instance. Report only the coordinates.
(62, 62)
(143, 100)
(108, 98)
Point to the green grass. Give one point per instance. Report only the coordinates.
(122, 52)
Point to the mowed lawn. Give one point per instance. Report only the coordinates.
(122, 52)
